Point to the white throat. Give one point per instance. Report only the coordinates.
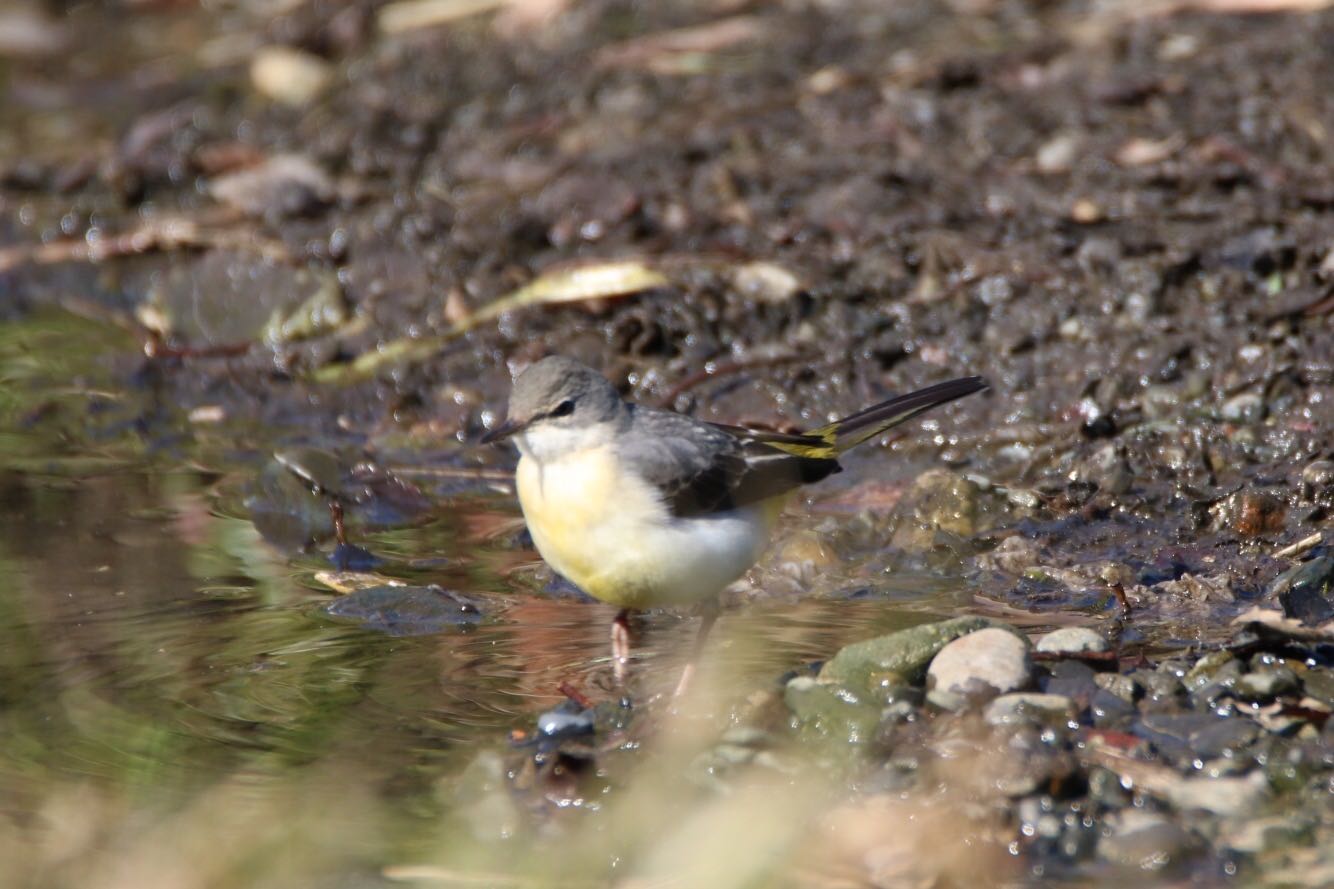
(547, 443)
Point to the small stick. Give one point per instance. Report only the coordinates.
(1306, 544)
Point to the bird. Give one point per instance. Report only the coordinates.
(647, 508)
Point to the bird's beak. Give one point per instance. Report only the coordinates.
(503, 431)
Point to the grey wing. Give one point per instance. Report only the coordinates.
(699, 468)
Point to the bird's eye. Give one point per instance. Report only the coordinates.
(564, 409)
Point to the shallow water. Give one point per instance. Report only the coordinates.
(159, 651)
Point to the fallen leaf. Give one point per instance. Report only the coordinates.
(413, 15)
(584, 283)
(656, 51)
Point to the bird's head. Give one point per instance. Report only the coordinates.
(559, 405)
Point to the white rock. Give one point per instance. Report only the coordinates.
(1073, 640)
(990, 657)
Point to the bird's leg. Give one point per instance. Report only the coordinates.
(620, 644)
(336, 514)
(709, 616)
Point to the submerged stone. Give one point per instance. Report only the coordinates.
(404, 610)
(349, 557)
(1220, 796)
(564, 723)
(831, 710)
(1144, 840)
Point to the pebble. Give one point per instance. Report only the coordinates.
(1224, 736)
(940, 502)
(989, 659)
(1161, 690)
(1022, 708)
(288, 75)
(1267, 683)
(1110, 710)
(1248, 407)
(1317, 482)
(1144, 840)
(1072, 640)
(1214, 676)
(1114, 683)
(1220, 796)
(1072, 679)
(1319, 684)
(1252, 836)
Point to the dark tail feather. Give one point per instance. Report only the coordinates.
(867, 424)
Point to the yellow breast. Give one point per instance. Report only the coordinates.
(571, 505)
(608, 532)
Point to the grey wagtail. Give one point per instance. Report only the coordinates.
(645, 508)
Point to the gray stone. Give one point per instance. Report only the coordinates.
(985, 662)
(1073, 679)
(1021, 708)
(1110, 711)
(904, 654)
(1224, 736)
(1073, 640)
